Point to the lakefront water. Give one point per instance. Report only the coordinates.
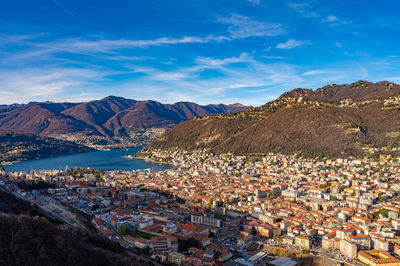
(102, 160)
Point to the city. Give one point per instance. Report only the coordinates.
(246, 211)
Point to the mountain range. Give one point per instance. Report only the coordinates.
(106, 121)
(358, 119)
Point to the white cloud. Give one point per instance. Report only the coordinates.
(250, 82)
(304, 9)
(27, 85)
(239, 86)
(291, 43)
(109, 45)
(330, 18)
(14, 38)
(257, 2)
(244, 27)
(393, 79)
(239, 27)
(318, 72)
(190, 72)
(207, 62)
(300, 7)
(169, 76)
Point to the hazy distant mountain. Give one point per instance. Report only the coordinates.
(360, 119)
(108, 117)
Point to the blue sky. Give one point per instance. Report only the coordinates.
(247, 51)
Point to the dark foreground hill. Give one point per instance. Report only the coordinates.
(359, 119)
(29, 238)
(19, 146)
(102, 120)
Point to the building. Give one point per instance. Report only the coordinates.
(360, 219)
(104, 230)
(257, 258)
(157, 244)
(205, 220)
(377, 257)
(393, 212)
(302, 242)
(176, 258)
(244, 239)
(330, 241)
(291, 193)
(363, 242)
(348, 248)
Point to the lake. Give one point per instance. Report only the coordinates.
(102, 160)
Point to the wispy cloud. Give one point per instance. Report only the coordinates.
(318, 72)
(244, 27)
(250, 82)
(239, 27)
(330, 18)
(291, 43)
(257, 2)
(16, 38)
(193, 71)
(304, 9)
(207, 62)
(393, 78)
(45, 84)
(106, 45)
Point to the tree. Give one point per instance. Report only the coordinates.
(325, 185)
(146, 250)
(373, 216)
(185, 244)
(253, 231)
(216, 254)
(382, 199)
(384, 212)
(219, 214)
(122, 229)
(210, 203)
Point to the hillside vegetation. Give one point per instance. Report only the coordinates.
(359, 119)
(29, 238)
(17, 146)
(112, 120)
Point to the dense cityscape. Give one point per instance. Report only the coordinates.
(229, 209)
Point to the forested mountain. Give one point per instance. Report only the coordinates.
(357, 119)
(105, 119)
(20, 146)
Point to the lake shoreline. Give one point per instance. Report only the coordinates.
(107, 160)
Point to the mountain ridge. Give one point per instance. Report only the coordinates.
(111, 119)
(358, 119)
